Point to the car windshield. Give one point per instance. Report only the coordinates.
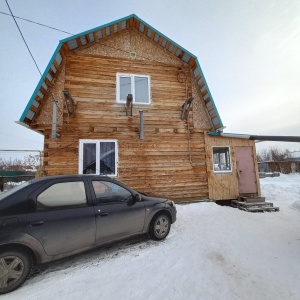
(14, 189)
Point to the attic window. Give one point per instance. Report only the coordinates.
(123, 25)
(72, 44)
(221, 159)
(107, 31)
(156, 37)
(141, 27)
(91, 37)
(137, 85)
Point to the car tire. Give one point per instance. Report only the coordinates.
(160, 226)
(15, 266)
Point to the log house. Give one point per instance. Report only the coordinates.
(100, 80)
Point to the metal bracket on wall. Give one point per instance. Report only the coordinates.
(128, 106)
(69, 102)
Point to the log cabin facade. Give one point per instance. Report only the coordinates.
(98, 128)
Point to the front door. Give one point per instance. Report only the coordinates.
(246, 170)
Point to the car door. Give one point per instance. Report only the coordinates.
(117, 216)
(64, 218)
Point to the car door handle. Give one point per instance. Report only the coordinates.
(103, 214)
(36, 223)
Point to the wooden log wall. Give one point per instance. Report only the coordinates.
(158, 165)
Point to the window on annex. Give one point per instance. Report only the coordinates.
(137, 85)
(221, 159)
(62, 195)
(98, 157)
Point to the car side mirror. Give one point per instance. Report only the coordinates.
(135, 198)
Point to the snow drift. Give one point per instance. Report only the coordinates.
(212, 252)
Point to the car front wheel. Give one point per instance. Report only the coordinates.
(15, 266)
(159, 227)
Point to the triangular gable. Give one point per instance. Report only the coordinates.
(102, 33)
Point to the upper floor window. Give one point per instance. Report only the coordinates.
(221, 159)
(98, 157)
(137, 85)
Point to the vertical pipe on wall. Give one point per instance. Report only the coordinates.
(54, 113)
(141, 125)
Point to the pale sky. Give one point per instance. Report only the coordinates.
(249, 52)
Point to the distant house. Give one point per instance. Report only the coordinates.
(101, 79)
(290, 165)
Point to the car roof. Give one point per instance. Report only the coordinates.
(75, 176)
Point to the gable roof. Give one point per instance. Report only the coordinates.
(102, 33)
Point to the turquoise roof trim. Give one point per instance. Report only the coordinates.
(61, 42)
(40, 83)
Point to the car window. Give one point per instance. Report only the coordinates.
(109, 192)
(5, 194)
(62, 195)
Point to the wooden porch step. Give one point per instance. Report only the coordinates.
(260, 209)
(253, 204)
(252, 199)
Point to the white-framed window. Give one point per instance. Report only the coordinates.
(137, 85)
(221, 159)
(99, 157)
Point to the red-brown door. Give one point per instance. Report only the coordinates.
(246, 170)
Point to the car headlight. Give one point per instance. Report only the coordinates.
(172, 203)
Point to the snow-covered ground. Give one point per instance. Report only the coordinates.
(212, 252)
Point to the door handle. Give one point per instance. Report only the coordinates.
(36, 223)
(103, 214)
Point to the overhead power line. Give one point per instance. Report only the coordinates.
(3, 13)
(23, 38)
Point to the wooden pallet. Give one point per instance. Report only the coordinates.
(254, 204)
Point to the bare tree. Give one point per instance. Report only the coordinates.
(274, 154)
(28, 163)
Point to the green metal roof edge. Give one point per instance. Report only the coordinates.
(178, 46)
(214, 133)
(103, 26)
(121, 20)
(40, 83)
(96, 28)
